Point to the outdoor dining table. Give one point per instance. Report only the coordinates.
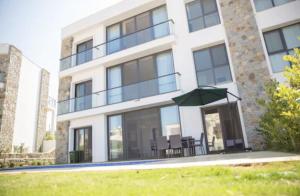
(189, 144)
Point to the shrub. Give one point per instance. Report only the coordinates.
(280, 124)
(12, 164)
(49, 136)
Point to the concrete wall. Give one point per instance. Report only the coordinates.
(27, 105)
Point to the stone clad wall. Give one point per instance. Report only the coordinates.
(62, 132)
(11, 65)
(42, 110)
(249, 64)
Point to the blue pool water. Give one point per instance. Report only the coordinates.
(80, 165)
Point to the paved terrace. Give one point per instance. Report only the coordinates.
(204, 160)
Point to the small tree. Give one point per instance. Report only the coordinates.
(280, 124)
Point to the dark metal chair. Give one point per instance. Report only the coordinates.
(199, 143)
(187, 144)
(153, 147)
(176, 144)
(212, 143)
(161, 145)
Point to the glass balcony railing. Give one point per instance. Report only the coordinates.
(163, 84)
(139, 37)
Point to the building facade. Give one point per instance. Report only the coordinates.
(23, 102)
(121, 67)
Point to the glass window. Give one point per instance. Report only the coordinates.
(83, 95)
(273, 41)
(84, 52)
(219, 55)
(291, 35)
(115, 137)
(202, 14)
(143, 22)
(114, 85)
(159, 18)
(277, 62)
(222, 74)
(209, 6)
(203, 60)
(281, 2)
(266, 4)
(212, 66)
(137, 30)
(165, 70)
(130, 80)
(113, 33)
(194, 9)
(263, 4)
(205, 77)
(281, 42)
(170, 121)
(147, 76)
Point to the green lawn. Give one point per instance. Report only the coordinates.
(268, 179)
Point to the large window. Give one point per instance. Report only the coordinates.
(212, 66)
(170, 121)
(115, 137)
(83, 95)
(137, 30)
(131, 133)
(266, 4)
(202, 14)
(281, 42)
(84, 52)
(140, 78)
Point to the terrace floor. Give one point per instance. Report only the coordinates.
(204, 160)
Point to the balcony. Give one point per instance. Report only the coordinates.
(154, 32)
(160, 85)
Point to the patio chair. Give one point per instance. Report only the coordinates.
(187, 143)
(199, 144)
(153, 147)
(212, 143)
(161, 145)
(176, 144)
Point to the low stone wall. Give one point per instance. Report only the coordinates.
(20, 157)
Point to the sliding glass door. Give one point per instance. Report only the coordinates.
(83, 144)
(114, 83)
(84, 52)
(83, 95)
(137, 30)
(144, 77)
(223, 128)
(131, 133)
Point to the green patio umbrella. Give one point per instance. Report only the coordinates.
(201, 96)
(204, 95)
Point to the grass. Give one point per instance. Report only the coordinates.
(262, 179)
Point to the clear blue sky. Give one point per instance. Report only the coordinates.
(34, 26)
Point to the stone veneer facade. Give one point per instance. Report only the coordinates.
(249, 63)
(62, 128)
(10, 66)
(42, 110)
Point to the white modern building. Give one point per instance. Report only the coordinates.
(24, 102)
(121, 67)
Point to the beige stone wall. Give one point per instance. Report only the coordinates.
(249, 64)
(42, 110)
(11, 65)
(62, 128)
